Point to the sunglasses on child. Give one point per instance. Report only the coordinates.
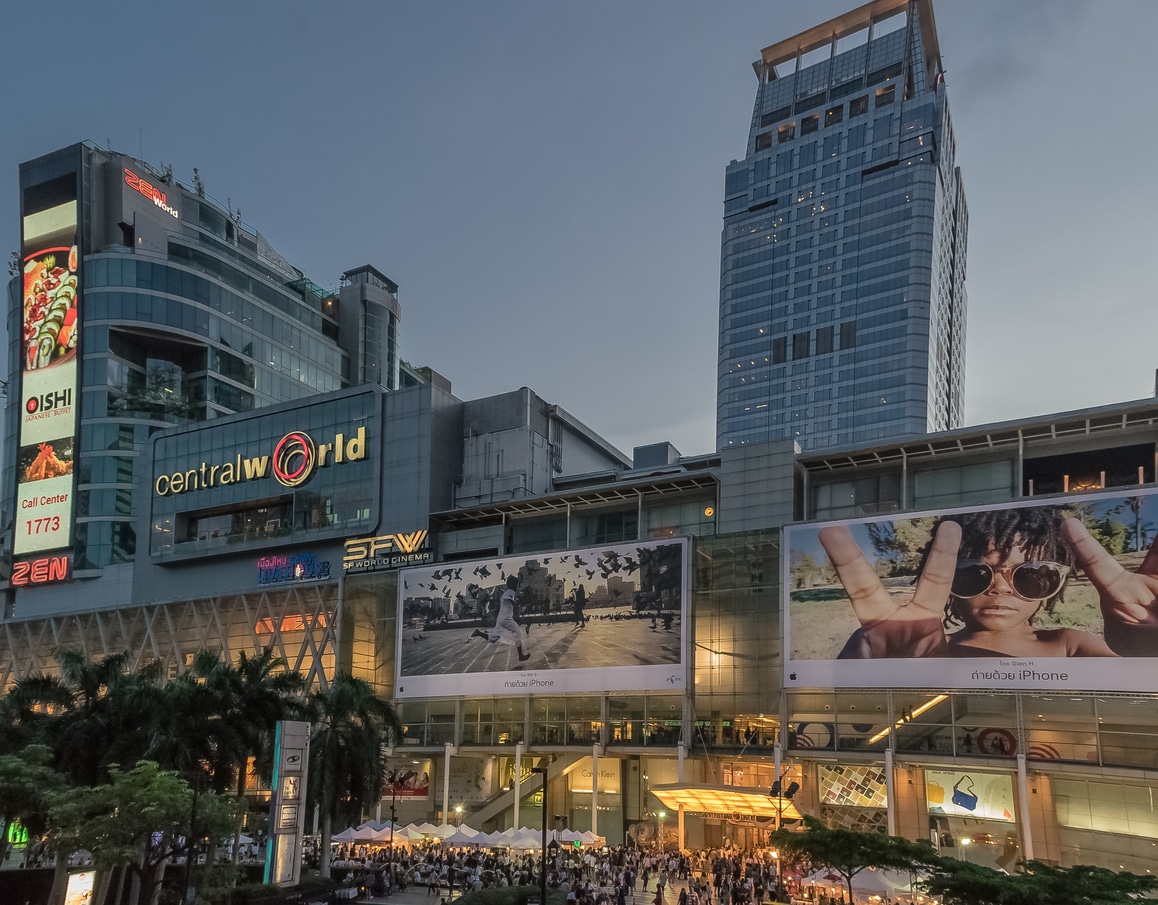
(1033, 581)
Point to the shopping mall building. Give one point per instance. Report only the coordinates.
(205, 450)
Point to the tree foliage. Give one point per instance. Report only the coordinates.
(347, 762)
(139, 819)
(848, 852)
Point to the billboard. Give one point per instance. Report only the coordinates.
(407, 778)
(1057, 595)
(609, 618)
(988, 796)
(46, 443)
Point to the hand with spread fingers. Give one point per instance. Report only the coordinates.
(1129, 600)
(892, 627)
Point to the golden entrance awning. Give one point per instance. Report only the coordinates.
(724, 801)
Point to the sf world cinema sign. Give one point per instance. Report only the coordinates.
(386, 551)
(294, 460)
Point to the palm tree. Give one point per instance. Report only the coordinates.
(84, 714)
(253, 696)
(347, 762)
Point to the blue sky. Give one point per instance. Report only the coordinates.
(544, 180)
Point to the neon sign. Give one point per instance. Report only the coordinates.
(295, 459)
(295, 567)
(366, 554)
(150, 191)
(45, 570)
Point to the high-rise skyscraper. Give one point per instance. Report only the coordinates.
(842, 281)
(145, 304)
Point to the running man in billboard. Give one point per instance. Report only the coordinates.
(985, 579)
(506, 628)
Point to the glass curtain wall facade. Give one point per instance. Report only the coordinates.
(182, 321)
(842, 298)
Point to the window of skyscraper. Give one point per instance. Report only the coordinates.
(786, 133)
(763, 141)
(857, 106)
(848, 335)
(801, 343)
(824, 340)
(810, 124)
(886, 95)
(780, 350)
(834, 115)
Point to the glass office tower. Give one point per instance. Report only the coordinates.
(146, 304)
(842, 279)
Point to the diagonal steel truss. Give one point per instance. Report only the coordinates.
(302, 622)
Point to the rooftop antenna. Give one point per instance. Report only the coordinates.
(198, 184)
(141, 140)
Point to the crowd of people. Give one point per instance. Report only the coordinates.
(617, 875)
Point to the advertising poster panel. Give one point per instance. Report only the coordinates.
(47, 432)
(407, 778)
(988, 796)
(608, 618)
(1057, 595)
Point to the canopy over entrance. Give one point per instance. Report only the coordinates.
(724, 801)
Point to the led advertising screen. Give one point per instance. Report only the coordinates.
(1058, 595)
(988, 796)
(49, 321)
(608, 618)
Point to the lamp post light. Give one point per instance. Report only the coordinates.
(781, 797)
(542, 771)
(661, 815)
(458, 813)
(393, 777)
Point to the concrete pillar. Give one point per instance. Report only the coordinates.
(518, 784)
(450, 752)
(1023, 817)
(596, 750)
(890, 792)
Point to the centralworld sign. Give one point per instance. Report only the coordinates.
(295, 458)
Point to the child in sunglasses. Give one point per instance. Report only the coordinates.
(982, 580)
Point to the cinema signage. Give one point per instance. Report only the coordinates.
(387, 551)
(295, 458)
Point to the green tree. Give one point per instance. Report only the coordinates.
(252, 696)
(347, 762)
(900, 544)
(88, 715)
(962, 883)
(848, 852)
(1083, 885)
(136, 821)
(26, 781)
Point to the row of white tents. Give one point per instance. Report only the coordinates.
(523, 839)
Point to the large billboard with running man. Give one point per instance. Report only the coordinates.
(609, 618)
(1060, 594)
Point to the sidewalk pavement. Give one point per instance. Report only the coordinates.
(418, 895)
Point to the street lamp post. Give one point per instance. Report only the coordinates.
(393, 777)
(661, 815)
(780, 796)
(542, 771)
(458, 813)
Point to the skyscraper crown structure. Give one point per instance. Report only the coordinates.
(842, 279)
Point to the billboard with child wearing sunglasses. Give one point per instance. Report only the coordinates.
(1030, 595)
